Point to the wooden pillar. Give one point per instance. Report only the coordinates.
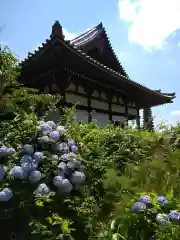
(89, 107)
(89, 91)
(126, 111)
(110, 107)
(137, 119)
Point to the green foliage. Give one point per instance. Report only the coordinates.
(14, 97)
(120, 164)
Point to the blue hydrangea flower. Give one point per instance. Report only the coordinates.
(71, 165)
(138, 206)
(174, 215)
(5, 195)
(145, 199)
(66, 186)
(78, 178)
(64, 147)
(29, 166)
(71, 156)
(26, 158)
(71, 143)
(10, 151)
(57, 181)
(61, 130)
(38, 156)
(44, 127)
(17, 172)
(43, 139)
(5, 151)
(162, 200)
(64, 157)
(56, 147)
(2, 172)
(77, 164)
(35, 176)
(54, 135)
(62, 166)
(42, 189)
(74, 149)
(59, 173)
(162, 218)
(52, 124)
(28, 149)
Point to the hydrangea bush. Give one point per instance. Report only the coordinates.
(148, 217)
(46, 168)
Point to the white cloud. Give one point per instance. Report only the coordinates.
(68, 35)
(178, 44)
(174, 117)
(151, 21)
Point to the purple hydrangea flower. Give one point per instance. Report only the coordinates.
(35, 176)
(44, 127)
(17, 172)
(71, 156)
(54, 135)
(138, 206)
(42, 189)
(78, 178)
(10, 151)
(162, 200)
(66, 186)
(5, 195)
(71, 143)
(162, 218)
(26, 158)
(43, 139)
(145, 199)
(52, 124)
(64, 157)
(63, 167)
(2, 172)
(74, 149)
(174, 215)
(77, 164)
(5, 151)
(28, 149)
(64, 147)
(71, 165)
(29, 166)
(38, 156)
(57, 181)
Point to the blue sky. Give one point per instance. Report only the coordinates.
(145, 35)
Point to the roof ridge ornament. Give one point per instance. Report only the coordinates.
(57, 31)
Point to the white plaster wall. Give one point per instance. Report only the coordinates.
(118, 108)
(118, 118)
(81, 115)
(100, 118)
(99, 104)
(53, 115)
(76, 99)
(132, 111)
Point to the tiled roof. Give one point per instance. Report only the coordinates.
(57, 35)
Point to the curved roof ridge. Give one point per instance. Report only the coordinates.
(90, 35)
(86, 33)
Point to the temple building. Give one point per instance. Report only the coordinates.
(85, 71)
